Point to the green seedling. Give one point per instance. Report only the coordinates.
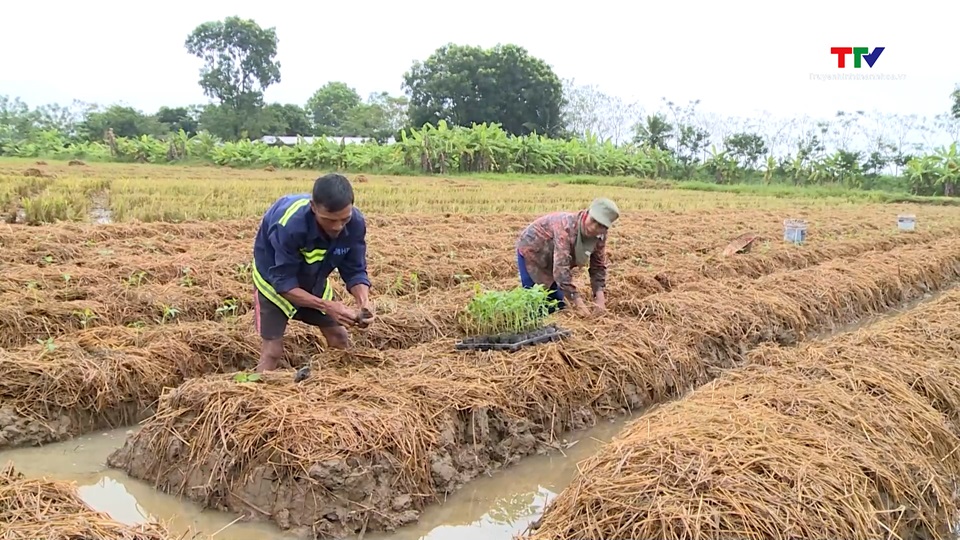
(168, 313)
(508, 312)
(48, 344)
(86, 316)
(136, 279)
(244, 377)
(187, 279)
(245, 272)
(229, 308)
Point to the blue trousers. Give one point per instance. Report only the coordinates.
(527, 282)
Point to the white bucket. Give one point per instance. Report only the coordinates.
(907, 222)
(794, 231)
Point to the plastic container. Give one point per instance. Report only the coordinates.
(907, 222)
(794, 231)
(512, 342)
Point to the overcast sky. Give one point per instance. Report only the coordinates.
(737, 56)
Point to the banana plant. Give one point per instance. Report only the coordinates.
(483, 148)
(947, 168)
(922, 174)
(769, 168)
(142, 149)
(723, 167)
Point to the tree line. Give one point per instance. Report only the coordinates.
(239, 64)
(463, 86)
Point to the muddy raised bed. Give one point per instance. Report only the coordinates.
(512, 342)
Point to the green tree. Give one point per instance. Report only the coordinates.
(229, 124)
(746, 148)
(337, 110)
(177, 118)
(239, 64)
(124, 121)
(286, 119)
(654, 132)
(465, 84)
(364, 120)
(16, 116)
(690, 139)
(330, 107)
(380, 118)
(394, 110)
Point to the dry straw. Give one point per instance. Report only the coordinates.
(102, 258)
(849, 439)
(62, 281)
(400, 428)
(108, 376)
(49, 510)
(399, 420)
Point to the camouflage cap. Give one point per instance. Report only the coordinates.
(604, 211)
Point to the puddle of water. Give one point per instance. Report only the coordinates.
(491, 508)
(499, 506)
(82, 460)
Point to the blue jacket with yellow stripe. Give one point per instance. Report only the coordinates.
(291, 250)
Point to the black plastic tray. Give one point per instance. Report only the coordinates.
(512, 342)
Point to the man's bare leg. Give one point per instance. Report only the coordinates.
(271, 351)
(337, 337)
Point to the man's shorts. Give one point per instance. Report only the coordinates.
(271, 322)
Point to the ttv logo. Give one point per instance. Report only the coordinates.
(859, 53)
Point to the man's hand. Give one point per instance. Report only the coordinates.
(367, 315)
(340, 313)
(581, 308)
(600, 303)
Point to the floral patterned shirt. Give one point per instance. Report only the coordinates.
(547, 246)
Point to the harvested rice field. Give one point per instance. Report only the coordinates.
(854, 437)
(136, 307)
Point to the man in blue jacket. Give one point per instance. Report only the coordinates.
(301, 240)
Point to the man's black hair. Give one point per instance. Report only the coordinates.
(333, 192)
